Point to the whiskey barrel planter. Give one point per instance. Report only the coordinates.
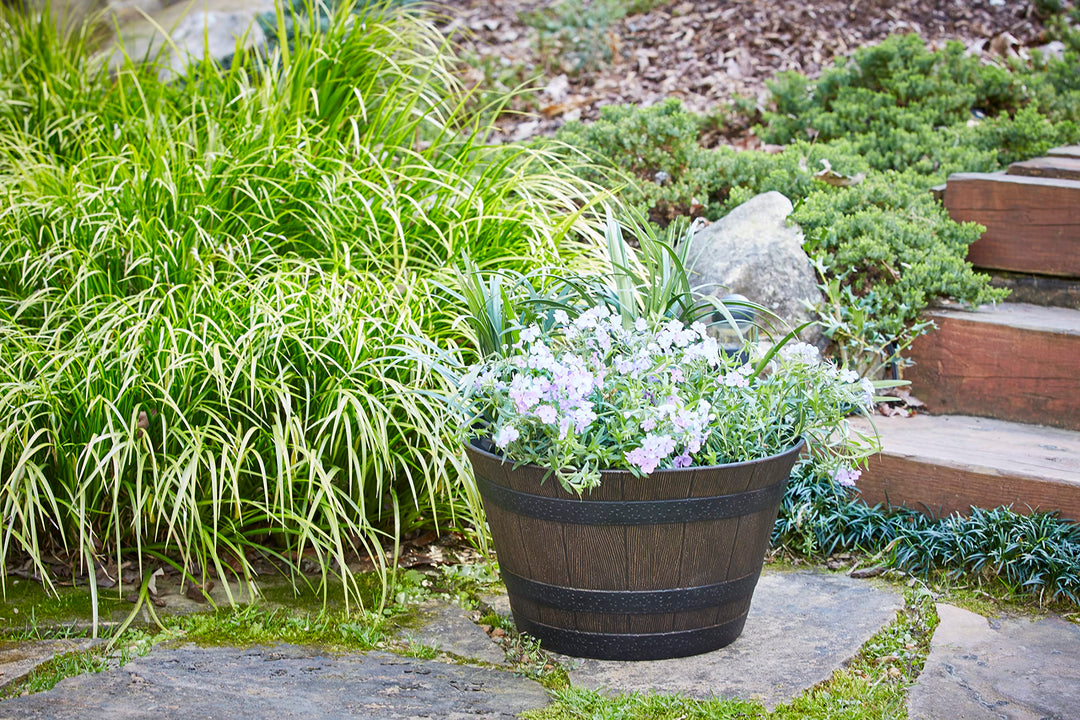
(638, 568)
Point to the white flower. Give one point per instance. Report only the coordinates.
(736, 379)
(868, 391)
(801, 352)
(546, 413)
(849, 376)
(506, 435)
(529, 334)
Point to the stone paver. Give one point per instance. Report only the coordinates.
(499, 602)
(19, 659)
(1001, 669)
(446, 628)
(280, 682)
(802, 626)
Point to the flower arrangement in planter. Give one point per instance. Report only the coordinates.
(591, 393)
(631, 468)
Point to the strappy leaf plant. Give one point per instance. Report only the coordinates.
(212, 286)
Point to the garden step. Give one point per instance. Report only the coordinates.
(947, 464)
(1032, 224)
(1065, 151)
(1012, 361)
(1066, 168)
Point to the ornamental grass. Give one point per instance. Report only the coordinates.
(209, 285)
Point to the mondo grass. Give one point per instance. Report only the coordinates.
(1035, 555)
(210, 287)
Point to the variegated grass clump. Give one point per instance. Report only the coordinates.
(210, 287)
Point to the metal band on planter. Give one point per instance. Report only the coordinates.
(630, 601)
(633, 646)
(648, 512)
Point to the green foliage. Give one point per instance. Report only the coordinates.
(901, 114)
(885, 250)
(45, 677)
(1036, 554)
(210, 290)
(574, 37)
(253, 625)
(904, 106)
(663, 168)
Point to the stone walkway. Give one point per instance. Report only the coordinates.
(280, 682)
(1002, 669)
(802, 627)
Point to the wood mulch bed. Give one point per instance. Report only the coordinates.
(711, 51)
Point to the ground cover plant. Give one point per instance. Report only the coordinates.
(1035, 555)
(208, 286)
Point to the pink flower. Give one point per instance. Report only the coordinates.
(846, 476)
(546, 413)
(653, 450)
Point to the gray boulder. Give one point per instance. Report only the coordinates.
(175, 33)
(753, 251)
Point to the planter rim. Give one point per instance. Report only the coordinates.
(800, 443)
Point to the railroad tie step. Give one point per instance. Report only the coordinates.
(945, 464)
(1064, 168)
(1012, 361)
(1032, 223)
(1072, 151)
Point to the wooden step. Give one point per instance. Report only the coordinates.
(1066, 168)
(1032, 224)
(941, 465)
(1012, 361)
(1065, 151)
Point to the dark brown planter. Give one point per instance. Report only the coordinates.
(639, 568)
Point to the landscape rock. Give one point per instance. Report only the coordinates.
(445, 627)
(19, 659)
(802, 626)
(189, 31)
(753, 251)
(280, 682)
(1011, 668)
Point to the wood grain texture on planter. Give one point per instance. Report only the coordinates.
(1011, 361)
(1032, 224)
(947, 464)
